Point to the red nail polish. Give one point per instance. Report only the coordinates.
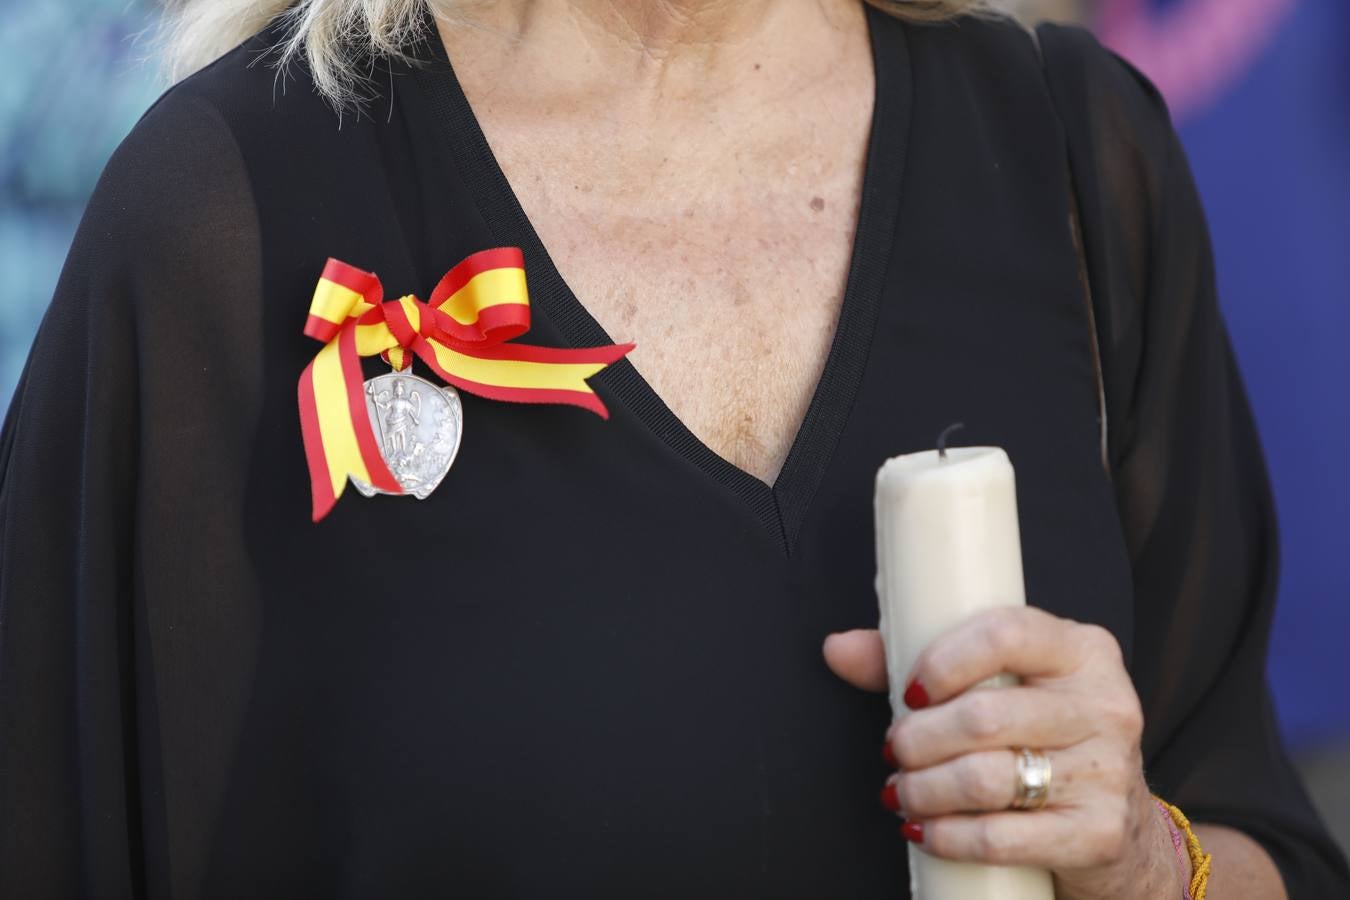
(916, 696)
(889, 798)
(912, 832)
(888, 754)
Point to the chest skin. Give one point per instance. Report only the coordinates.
(714, 231)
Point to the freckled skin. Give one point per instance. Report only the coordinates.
(711, 222)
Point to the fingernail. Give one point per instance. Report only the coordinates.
(916, 696)
(912, 832)
(888, 754)
(890, 798)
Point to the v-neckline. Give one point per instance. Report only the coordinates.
(780, 507)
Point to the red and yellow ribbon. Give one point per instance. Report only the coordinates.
(460, 335)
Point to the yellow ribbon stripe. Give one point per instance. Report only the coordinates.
(335, 419)
(334, 302)
(494, 287)
(512, 373)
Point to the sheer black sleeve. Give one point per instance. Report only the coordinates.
(1191, 485)
(159, 247)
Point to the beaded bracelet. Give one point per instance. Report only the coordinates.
(1178, 825)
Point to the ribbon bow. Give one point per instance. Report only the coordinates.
(478, 305)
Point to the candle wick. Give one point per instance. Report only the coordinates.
(942, 438)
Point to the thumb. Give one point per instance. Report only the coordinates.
(858, 657)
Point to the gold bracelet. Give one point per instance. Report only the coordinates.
(1200, 860)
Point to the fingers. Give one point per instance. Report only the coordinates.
(1050, 839)
(990, 719)
(976, 782)
(1075, 702)
(858, 657)
(961, 809)
(1023, 641)
(986, 782)
(1000, 838)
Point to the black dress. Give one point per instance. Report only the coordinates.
(589, 664)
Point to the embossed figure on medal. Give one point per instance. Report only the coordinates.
(419, 426)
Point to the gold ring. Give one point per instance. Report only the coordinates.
(1031, 784)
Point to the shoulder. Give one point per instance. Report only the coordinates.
(994, 55)
(1126, 154)
(1114, 99)
(177, 175)
(979, 53)
(991, 37)
(200, 155)
(240, 99)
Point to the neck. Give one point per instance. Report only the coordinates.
(661, 30)
(666, 43)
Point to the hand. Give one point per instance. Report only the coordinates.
(1100, 833)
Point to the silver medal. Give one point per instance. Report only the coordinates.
(418, 426)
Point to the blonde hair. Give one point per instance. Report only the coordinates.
(335, 36)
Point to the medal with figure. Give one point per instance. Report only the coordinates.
(418, 426)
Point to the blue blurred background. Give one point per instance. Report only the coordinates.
(1260, 90)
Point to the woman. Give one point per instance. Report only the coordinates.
(587, 663)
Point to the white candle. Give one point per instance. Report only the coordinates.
(948, 547)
